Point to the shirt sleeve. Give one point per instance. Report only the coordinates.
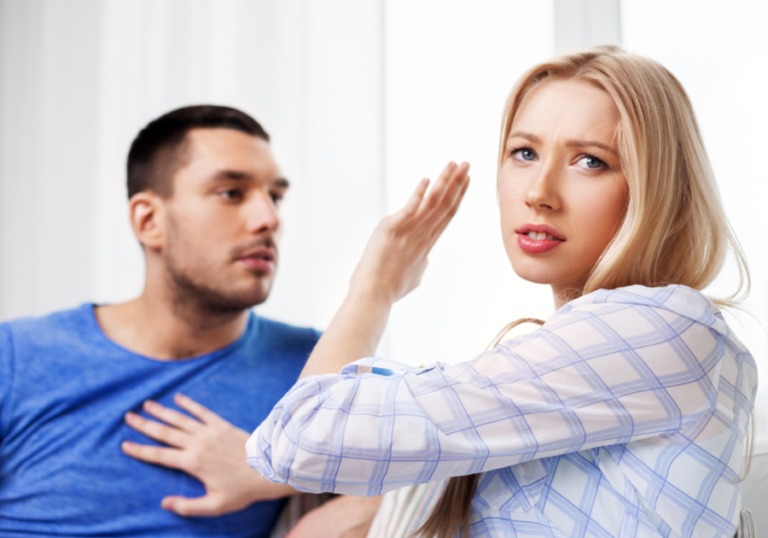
(596, 374)
(6, 377)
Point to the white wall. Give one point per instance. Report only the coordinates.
(719, 55)
(78, 81)
(449, 66)
(363, 99)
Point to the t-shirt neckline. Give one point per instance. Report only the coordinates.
(229, 348)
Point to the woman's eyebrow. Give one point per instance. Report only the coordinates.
(585, 143)
(527, 136)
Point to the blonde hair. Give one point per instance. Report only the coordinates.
(674, 230)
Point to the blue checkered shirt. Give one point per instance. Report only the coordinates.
(624, 415)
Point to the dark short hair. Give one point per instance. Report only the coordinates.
(155, 153)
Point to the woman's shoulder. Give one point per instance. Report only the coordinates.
(670, 302)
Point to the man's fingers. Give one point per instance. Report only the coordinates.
(167, 457)
(174, 418)
(208, 505)
(157, 431)
(201, 412)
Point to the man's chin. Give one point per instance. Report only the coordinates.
(242, 300)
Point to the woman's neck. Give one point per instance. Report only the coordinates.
(564, 293)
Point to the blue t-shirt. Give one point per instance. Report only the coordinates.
(64, 391)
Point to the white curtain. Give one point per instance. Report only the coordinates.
(362, 99)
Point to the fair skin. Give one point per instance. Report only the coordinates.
(561, 170)
(211, 253)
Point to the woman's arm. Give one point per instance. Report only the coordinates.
(616, 368)
(391, 267)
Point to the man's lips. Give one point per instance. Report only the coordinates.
(259, 260)
(538, 238)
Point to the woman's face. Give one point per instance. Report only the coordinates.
(561, 189)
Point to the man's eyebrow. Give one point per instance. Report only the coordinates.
(232, 174)
(281, 183)
(585, 143)
(237, 175)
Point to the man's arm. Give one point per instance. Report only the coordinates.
(210, 449)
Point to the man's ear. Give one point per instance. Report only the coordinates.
(147, 214)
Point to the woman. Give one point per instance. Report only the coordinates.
(625, 413)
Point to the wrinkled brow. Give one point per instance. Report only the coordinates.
(571, 143)
(238, 175)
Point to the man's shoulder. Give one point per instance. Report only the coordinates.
(49, 328)
(285, 336)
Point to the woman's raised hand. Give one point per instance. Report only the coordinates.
(396, 255)
(392, 265)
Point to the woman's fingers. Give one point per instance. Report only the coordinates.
(452, 206)
(448, 201)
(415, 200)
(432, 200)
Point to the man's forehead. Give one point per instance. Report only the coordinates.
(220, 149)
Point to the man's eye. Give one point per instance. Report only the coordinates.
(276, 198)
(591, 162)
(524, 154)
(232, 194)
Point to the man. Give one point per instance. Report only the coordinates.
(108, 412)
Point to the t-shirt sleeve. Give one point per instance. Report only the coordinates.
(593, 375)
(6, 377)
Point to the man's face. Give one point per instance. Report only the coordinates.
(222, 221)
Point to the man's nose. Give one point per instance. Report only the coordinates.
(542, 193)
(262, 214)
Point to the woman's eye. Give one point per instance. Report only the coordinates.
(591, 162)
(524, 154)
(276, 199)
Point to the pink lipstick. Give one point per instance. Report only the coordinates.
(538, 238)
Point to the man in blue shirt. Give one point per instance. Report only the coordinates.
(109, 412)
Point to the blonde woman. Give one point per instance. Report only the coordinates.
(625, 414)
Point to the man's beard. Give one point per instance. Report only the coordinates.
(190, 296)
(193, 297)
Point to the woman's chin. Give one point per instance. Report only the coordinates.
(542, 273)
(533, 271)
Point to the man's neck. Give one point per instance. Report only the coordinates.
(153, 326)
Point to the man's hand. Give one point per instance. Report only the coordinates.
(342, 517)
(210, 449)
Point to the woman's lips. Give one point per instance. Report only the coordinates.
(536, 246)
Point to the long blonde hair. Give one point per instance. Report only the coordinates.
(674, 230)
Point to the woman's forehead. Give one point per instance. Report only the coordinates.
(567, 109)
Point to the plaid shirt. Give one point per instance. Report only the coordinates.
(624, 415)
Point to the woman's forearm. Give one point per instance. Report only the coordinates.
(354, 332)
(390, 268)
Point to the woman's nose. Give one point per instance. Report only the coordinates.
(542, 194)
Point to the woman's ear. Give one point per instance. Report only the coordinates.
(146, 213)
